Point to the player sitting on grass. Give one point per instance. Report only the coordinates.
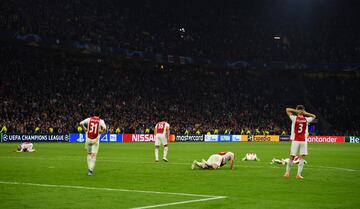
(215, 161)
(250, 157)
(25, 147)
(285, 161)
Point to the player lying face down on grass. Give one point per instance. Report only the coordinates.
(251, 156)
(215, 161)
(285, 161)
(25, 147)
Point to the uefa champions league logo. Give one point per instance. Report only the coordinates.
(5, 137)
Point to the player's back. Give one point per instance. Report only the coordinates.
(93, 128)
(162, 127)
(299, 128)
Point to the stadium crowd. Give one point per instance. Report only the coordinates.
(230, 31)
(50, 90)
(44, 91)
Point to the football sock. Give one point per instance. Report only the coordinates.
(288, 166)
(156, 154)
(88, 161)
(300, 167)
(165, 152)
(92, 163)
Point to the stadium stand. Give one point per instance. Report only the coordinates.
(49, 84)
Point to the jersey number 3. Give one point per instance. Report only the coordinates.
(301, 128)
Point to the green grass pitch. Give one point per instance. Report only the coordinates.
(56, 177)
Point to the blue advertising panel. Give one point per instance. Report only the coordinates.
(103, 138)
(225, 138)
(284, 138)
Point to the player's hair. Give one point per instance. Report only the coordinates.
(96, 112)
(300, 107)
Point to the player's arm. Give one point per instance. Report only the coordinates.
(307, 114)
(168, 133)
(290, 111)
(103, 127)
(215, 166)
(155, 130)
(232, 161)
(83, 123)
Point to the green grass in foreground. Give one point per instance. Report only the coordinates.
(331, 177)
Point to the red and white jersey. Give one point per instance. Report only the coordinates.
(226, 156)
(161, 127)
(251, 156)
(93, 126)
(299, 127)
(26, 145)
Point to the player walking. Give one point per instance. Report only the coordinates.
(215, 161)
(299, 133)
(162, 133)
(93, 126)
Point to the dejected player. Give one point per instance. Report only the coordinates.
(251, 156)
(285, 161)
(93, 126)
(25, 147)
(300, 120)
(215, 161)
(162, 133)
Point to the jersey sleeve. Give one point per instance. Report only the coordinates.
(309, 119)
(86, 121)
(292, 117)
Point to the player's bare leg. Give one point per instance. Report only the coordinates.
(288, 166)
(165, 153)
(196, 164)
(91, 159)
(157, 153)
(300, 167)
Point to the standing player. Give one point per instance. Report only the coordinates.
(162, 133)
(215, 161)
(93, 127)
(299, 133)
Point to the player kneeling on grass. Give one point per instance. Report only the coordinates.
(25, 147)
(285, 161)
(251, 156)
(215, 161)
(300, 120)
(93, 126)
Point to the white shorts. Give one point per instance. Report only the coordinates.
(298, 147)
(160, 139)
(92, 145)
(214, 159)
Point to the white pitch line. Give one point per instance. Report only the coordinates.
(208, 197)
(181, 202)
(105, 189)
(179, 163)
